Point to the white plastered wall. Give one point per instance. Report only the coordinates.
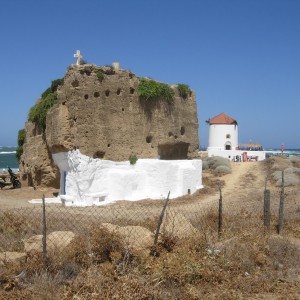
(91, 181)
(218, 136)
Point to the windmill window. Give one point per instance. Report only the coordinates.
(227, 136)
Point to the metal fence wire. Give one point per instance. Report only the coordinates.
(52, 229)
(92, 234)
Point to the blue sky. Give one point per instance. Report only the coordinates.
(240, 57)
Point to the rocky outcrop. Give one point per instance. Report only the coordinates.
(36, 165)
(104, 117)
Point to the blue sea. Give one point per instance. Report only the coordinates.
(287, 152)
(8, 158)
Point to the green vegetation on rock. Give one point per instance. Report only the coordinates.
(150, 89)
(100, 74)
(184, 90)
(21, 141)
(38, 112)
(133, 159)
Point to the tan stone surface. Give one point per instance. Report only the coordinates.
(11, 256)
(56, 240)
(135, 237)
(34, 243)
(36, 165)
(59, 240)
(108, 119)
(177, 225)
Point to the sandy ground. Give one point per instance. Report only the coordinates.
(10, 198)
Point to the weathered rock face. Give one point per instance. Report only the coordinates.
(105, 118)
(36, 164)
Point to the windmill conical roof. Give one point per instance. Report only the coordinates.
(222, 119)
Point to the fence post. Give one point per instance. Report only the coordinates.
(267, 196)
(44, 233)
(281, 207)
(220, 224)
(153, 251)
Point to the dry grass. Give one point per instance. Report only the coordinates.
(245, 263)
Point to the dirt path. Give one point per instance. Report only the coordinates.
(243, 187)
(244, 178)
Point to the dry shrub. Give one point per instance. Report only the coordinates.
(280, 163)
(103, 282)
(15, 227)
(210, 183)
(243, 264)
(148, 222)
(284, 251)
(222, 170)
(213, 162)
(217, 165)
(46, 286)
(167, 241)
(205, 164)
(291, 177)
(34, 262)
(175, 268)
(295, 160)
(95, 247)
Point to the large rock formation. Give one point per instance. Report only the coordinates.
(104, 117)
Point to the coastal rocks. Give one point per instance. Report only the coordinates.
(100, 113)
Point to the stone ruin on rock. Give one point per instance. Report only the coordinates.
(100, 112)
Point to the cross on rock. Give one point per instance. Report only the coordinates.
(78, 57)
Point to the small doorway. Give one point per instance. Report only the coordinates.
(227, 146)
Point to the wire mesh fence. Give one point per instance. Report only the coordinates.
(54, 229)
(88, 234)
